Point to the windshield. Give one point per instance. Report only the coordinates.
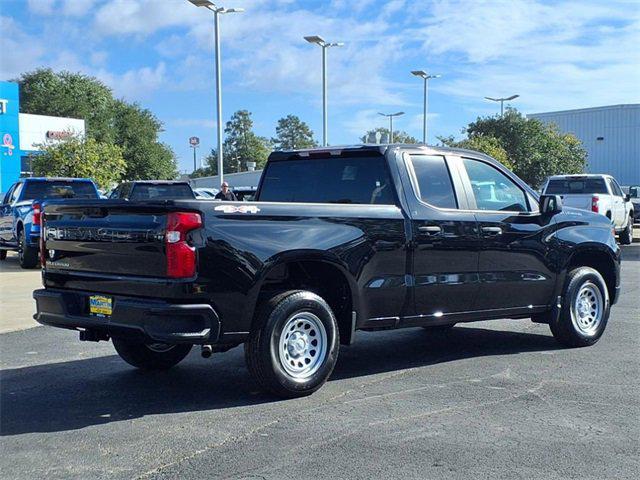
(328, 180)
(576, 186)
(49, 189)
(161, 191)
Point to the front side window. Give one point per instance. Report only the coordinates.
(328, 180)
(433, 181)
(492, 189)
(16, 193)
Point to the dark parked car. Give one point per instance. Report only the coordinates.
(383, 237)
(152, 190)
(21, 207)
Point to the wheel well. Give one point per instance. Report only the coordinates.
(319, 277)
(598, 261)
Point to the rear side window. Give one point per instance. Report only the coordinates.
(328, 180)
(51, 189)
(150, 191)
(493, 190)
(433, 182)
(576, 185)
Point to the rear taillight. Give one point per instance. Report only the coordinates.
(37, 214)
(594, 204)
(181, 257)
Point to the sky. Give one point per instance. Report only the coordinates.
(159, 53)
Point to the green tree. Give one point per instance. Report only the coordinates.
(81, 158)
(242, 145)
(399, 136)
(138, 132)
(481, 143)
(292, 133)
(534, 149)
(66, 94)
(133, 128)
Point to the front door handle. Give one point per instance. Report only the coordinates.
(430, 229)
(491, 231)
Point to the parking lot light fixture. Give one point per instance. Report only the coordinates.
(324, 45)
(426, 77)
(217, 11)
(502, 100)
(391, 115)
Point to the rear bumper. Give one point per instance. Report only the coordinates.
(133, 318)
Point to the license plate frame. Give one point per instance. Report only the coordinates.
(100, 305)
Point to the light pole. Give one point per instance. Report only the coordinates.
(216, 25)
(391, 115)
(324, 44)
(502, 100)
(425, 76)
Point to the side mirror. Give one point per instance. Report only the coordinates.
(550, 203)
(627, 197)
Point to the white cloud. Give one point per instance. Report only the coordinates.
(41, 7)
(135, 84)
(20, 51)
(77, 8)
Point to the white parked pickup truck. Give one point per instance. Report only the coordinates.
(595, 193)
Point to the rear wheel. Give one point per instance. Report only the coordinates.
(27, 255)
(150, 356)
(585, 309)
(295, 346)
(626, 236)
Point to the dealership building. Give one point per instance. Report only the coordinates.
(23, 134)
(610, 135)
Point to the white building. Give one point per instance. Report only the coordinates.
(610, 135)
(235, 180)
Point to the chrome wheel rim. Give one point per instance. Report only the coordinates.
(159, 347)
(302, 346)
(587, 309)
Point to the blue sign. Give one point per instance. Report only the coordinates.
(9, 135)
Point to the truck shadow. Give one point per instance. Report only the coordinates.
(80, 393)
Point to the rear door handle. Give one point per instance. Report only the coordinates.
(430, 229)
(491, 231)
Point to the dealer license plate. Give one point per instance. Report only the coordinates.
(100, 305)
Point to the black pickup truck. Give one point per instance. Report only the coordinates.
(338, 240)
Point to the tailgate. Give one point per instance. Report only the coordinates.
(106, 237)
(582, 201)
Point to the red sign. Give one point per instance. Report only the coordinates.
(54, 135)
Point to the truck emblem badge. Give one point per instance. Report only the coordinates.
(235, 209)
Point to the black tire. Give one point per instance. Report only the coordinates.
(27, 255)
(150, 356)
(3, 255)
(262, 350)
(626, 236)
(565, 328)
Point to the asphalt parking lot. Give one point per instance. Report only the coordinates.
(487, 400)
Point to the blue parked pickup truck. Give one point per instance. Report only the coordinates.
(21, 209)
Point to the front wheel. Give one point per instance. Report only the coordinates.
(294, 346)
(626, 236)
(150, 356)
(585, 309)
